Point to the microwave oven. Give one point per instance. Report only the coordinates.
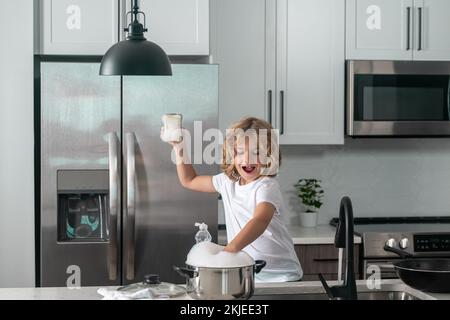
(397, 98)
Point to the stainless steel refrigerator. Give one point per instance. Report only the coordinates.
(111, 206)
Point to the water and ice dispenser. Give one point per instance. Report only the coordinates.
(83, 205)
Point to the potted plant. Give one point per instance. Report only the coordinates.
(310, 192)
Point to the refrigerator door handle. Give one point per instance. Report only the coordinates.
(131, 204)
(113, 143)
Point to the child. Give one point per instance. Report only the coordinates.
(252, 199)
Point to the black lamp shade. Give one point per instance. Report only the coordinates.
(135, 57)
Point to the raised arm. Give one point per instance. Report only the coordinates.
(255, 227)
(187, 175)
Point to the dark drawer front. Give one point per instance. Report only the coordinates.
(317, 259)
(330, 277)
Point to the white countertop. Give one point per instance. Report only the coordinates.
(322, 234)
(302, 287)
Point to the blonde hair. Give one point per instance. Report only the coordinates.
(244, 126)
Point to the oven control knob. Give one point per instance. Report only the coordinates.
(404, 243)
(390, 243)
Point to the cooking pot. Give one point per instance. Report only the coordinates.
(203, 283)
(431, 275)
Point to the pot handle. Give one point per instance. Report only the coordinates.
(259, 264)
(401, 253)
(186, 272)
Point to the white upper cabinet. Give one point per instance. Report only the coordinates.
(238, 45)
(432, 27)
(397, 30)
(379, 29)
(310, 71)
(78, 27)
(283, 61)
(180, 27)
(91, 27)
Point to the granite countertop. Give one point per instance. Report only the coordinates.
(302, 287)
(322, 234)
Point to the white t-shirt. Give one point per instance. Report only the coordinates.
(275, 246)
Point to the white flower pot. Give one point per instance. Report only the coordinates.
(308, 219)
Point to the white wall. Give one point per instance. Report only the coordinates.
(16, 145)
(383, 177)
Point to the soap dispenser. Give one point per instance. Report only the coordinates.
(203, 234)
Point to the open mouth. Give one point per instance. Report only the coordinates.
(248, 169)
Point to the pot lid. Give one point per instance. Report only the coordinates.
(152, 288)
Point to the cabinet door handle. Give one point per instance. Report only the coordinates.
(281, 112)
(419, 48)
(269, 106)
(325, 259)
(408, 28)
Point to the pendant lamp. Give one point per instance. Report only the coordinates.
(135, 55)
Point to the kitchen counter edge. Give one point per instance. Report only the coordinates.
(301, 287)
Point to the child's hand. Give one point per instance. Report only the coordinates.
(173, 143)
(230, 248)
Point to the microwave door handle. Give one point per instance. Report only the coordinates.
(350, 96)
(131, 205)
(113, 143)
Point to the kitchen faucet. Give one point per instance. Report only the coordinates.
(344, 239)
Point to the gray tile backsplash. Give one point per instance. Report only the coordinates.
(383, 177)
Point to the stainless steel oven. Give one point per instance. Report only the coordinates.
(421, 236)
(435, 243)
(398, 98)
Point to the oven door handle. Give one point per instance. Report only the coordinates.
(386, 266)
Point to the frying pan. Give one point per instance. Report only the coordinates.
(430, 275)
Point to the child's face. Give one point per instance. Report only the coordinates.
(246, 159)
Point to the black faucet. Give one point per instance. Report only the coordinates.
(344, 239)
